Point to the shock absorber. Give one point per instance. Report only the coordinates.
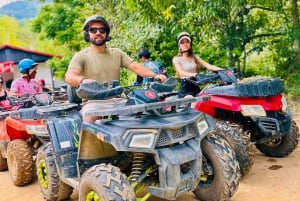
(137, 165)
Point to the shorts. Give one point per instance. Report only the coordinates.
(98, 105)
(187, 88)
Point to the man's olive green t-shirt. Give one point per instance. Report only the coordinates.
(102, 67)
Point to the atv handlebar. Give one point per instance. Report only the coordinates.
(105, 90)
(166, 86)
(224, 76)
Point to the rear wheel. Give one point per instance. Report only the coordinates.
(282, 146)
(220, 170)
(105, 182)
(239, 142)
(20, 162)
(3, 163)
(51, 186)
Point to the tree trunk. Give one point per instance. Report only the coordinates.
(296, 30)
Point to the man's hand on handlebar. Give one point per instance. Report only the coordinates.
(160, 77)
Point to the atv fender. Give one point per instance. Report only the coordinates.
(65, 133)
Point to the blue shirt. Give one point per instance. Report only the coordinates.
(155, 66)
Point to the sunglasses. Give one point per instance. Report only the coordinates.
(94, 30)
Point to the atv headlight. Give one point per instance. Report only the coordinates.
(141, 138)
(284, 104)
(202, 126)
(253, 110)
(34, 129)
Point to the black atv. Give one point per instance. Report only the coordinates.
(146, 147)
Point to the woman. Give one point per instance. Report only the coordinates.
(4, 103)
(187, 65)
(3, 93)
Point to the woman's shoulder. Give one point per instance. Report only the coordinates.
(177, 58)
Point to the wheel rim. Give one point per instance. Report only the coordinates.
(42, 173)
(92, 196)
(207, 178)
(273, 143)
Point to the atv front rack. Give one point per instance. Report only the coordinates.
(42, 112)
(164, 108)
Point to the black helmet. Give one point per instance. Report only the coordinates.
(144, 53)
(183, 35)
(96, 18)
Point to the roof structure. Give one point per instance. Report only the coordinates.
(9, 53)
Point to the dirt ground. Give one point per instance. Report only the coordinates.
(270, 179)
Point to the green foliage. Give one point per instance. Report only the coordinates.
(292, 84)
(61, 22)
(255, 36)
(8, 33)
(59, 65)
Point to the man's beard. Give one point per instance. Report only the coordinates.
(98, 42)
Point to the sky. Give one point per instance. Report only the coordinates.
(3, 2)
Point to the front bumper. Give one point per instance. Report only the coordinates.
(175, 179)
(276, 123)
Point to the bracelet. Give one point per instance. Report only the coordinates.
(82, 80)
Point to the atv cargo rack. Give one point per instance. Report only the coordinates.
(165, 108)
(37, 112)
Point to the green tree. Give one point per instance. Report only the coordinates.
(8, 30)
(225, 33)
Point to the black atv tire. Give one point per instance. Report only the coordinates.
(106, 182)
(3, 163)
(220, 168)
(239, 142)
(281, 147)
(20, 162)
(51, 186)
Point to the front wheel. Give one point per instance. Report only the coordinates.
(51, 186)
(239, 142)
(20, 162)
(220, 170)
(105, 182)
(282, 146)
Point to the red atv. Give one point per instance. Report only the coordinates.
(257, 105)
(20, 138)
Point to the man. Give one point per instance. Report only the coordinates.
(102, 64)
(144, 55)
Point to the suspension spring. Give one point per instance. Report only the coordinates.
(137, 165)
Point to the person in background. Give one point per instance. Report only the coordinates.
(3, 93)
(43, 85)
(26, 84)
(99, 63)
(144, 55)
(187, 65)
(8, 85)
